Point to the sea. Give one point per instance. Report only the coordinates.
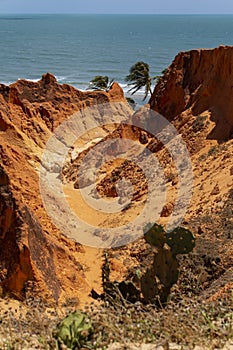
(76, 48)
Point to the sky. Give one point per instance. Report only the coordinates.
(119, 6)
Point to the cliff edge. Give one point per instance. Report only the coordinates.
(31, 247)
(196, 95)
(198, 81)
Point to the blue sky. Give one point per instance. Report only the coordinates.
(118, 6)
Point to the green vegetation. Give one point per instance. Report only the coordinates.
(156, 281)
(151, 283)
(185, 321)
(100, 82)
(74, 330)
(180, 240)
(139, 77)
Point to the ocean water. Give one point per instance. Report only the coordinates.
(75, 48)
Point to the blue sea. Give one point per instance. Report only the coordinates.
(75, 48)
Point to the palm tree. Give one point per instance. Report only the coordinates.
(139, 77)
(100, 82)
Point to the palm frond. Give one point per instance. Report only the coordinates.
(139, 78)
(100, 82)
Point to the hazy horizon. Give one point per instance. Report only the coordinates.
(163, 7)
(109, 14)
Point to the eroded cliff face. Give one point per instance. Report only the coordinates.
(16, 266)
(31, 247)
(196, 95)
(199, 81)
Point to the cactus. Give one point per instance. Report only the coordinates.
(162, 273)
(181, 241)
(155, 235)
(151, 282)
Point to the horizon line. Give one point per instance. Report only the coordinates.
(110, 13)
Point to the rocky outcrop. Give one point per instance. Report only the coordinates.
(31, 247)
(16, 266)
(198, 81)
(196, 95)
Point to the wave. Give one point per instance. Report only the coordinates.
(84, 86)
(12, 82)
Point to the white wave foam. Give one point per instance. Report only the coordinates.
(84, 86)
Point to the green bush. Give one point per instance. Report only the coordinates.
(74, 330)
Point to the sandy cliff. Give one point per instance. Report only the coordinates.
(195, 95)
(31, 247)
(198, 81)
